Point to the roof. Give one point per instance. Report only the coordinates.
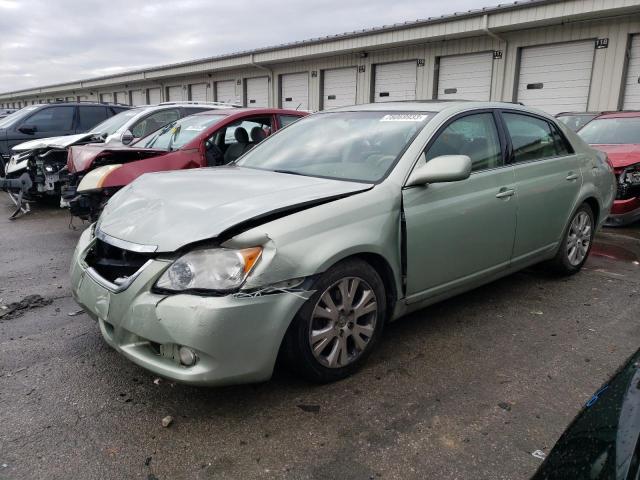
(627, 114)
(253, 111)
(422, 106)
(312, 41)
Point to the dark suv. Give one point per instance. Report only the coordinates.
(50, 120)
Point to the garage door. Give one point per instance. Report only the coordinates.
(198, 92)
(68, 99)
(155, 96)
(122, 97)
(465, 77)
(106, 97)
(395, 81)
(295, 91)
(631, 100)
(174, 94)
(556, 78)
(257, 92)
(137, 98)
(226, 92)
(339, 87)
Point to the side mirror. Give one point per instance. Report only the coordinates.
(445, 168)
(127, 137)
(28, 129)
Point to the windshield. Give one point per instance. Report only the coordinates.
(602, 131)
(177, 134)
(111, 125)
(356, 146)
(576, 122)
(9, 119)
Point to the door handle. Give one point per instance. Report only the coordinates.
(571, 176)
(505, 193)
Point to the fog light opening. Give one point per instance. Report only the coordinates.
(188, 357)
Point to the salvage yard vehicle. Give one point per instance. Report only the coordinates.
(603, 441)
(618, 135)
(349, 218)
(4, 112)
(51, 119)
(38, 168)
(207, 139)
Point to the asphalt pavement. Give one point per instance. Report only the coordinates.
(468, 388)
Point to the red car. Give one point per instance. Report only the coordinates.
(207, 139)
(618, 135)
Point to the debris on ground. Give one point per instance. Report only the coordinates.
(536, 312)
(505, 406)
(76, 313)
(309, 408)
(15, 309)
(166, 421)
(157, 381)
(539, 454)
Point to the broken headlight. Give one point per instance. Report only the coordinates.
(96, 177)
(216, 269)
(631, 175)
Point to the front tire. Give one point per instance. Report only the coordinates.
(338, 327)
(576, 242)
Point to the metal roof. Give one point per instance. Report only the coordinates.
(311, 41)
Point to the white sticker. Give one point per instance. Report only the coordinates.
(195, 128)
(404, 117)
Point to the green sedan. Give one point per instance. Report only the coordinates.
(347, 219)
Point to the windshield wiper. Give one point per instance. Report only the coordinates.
(290, 172)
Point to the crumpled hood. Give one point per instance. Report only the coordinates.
(52, 142)
(172, 209)
(620, 155)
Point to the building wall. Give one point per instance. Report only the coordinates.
(404, 44)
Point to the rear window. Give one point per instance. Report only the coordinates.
(576, 122)
(602, 131)
(90, 116)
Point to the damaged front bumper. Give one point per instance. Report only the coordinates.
(235, 338)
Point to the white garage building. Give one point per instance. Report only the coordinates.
(555, 55)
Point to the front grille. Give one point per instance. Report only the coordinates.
(113, 263)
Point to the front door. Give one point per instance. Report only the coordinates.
(460, 232)
(46, 122)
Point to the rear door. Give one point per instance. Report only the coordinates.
(461, 232)
(547, 179)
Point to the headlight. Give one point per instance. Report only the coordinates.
(217, 269)
(631, 175)
(95, 178)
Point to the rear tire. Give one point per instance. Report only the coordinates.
(337, 328)
(576, 242)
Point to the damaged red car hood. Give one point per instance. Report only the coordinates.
(169, 210)
(82, 157)
(621, 155)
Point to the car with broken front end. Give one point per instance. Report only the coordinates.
(38, 168)
(306, 246)
(210, 138)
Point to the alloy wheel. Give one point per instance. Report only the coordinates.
(343, 322)
(579, 238)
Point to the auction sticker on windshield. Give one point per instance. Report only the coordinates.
(404, 117)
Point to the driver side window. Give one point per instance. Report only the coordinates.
(473, 135)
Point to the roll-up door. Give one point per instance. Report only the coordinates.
(198, 92)
(257, 92)
(226, 92)
(137, 97)
(155, 96)
(174, 93)
(395, 81)
(106, 97)
(465, 77)
(70, 99)
(295, 91)
(631, 100)
(122, 97)
(339, 87)
(556, 78)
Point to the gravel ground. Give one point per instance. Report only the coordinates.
(465, 389)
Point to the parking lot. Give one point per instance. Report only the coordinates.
(468, 388)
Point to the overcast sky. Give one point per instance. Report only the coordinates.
(50, 41)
